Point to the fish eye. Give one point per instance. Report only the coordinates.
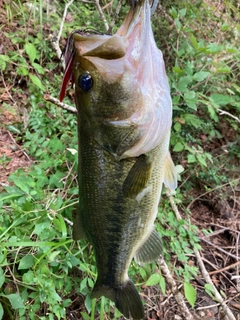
(85, 82)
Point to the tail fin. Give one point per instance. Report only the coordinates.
(125, 297)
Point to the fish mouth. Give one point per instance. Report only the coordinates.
(129, 43)
(110, 47)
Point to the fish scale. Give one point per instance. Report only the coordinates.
(124, 122)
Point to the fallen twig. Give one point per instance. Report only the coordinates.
(228, 313)
(102, 15)
(221, 112)
(217, 296)
(115, 16)
(226, 268)
(62, 105)
(174, 289)
(220, 249)
(55, 42)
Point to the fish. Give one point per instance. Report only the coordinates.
(124, 112)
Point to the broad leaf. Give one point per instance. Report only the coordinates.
(31, 51)
(26, 262)
(15, 300)
(36, 81)
(190, 293)
(154, 279)
(200, 76)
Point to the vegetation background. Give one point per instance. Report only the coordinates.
(43, 273)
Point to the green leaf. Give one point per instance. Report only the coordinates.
(38, 67)
(192, 120)
(4, 57)
(31, 51)
(2, 277)
(36, 81)
(154, 279)
(21, 185)
(200, 76)
(182, 12)
(88, 303)
(191, 99)
(189, 95)
(39, 227)
(177, 126)
(15, 300)
(22, 71)
(53, 255)
(28, 277)
(214, 48)
(194, 42)
(191, 158)
(183, 83)
(55, 180)
(178, 147)
(225, 26)
(13, 129)
(3, 60)
(1, 311)
(190, 293)
(85, 316)
(209, 289)
(221, 99)
(201, 160)
(26, 262)
(173, 12)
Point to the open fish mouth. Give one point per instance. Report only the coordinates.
(90, 43)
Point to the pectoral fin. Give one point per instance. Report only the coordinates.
(138, 176)
(78, 230)
(150, 250)
(170, 175)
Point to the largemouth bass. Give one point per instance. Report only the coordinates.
(124, 121)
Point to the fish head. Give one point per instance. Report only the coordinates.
(121, 79)
(101, 77)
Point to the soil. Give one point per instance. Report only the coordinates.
(220, 251)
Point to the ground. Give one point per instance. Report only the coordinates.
(220, 250)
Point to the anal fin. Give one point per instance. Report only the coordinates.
(151, 249)
(138, 176)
